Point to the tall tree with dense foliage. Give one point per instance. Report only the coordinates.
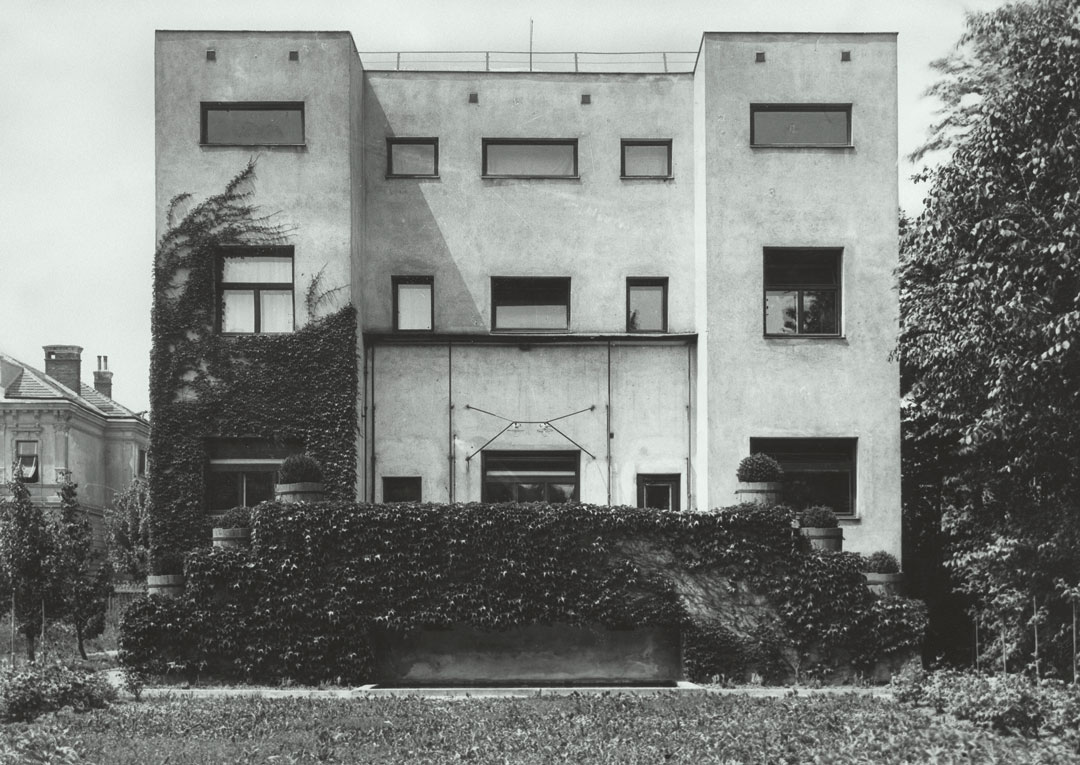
(990, 304)
(26, 549)
(81, 576)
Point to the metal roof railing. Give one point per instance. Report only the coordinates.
(640, 62)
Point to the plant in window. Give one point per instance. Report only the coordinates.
(759, 468)
(880, 562)
(818, 517)
(300, 468)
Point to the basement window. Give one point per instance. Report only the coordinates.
(248, 123)
(800, 125)
(530, 158)
(412, 157)
(526, 476)
(530, 303)
(255, 290)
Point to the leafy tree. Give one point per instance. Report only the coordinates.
(26, 547)
(990, 307)
(127, 530)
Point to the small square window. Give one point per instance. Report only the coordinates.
(646, 304)
(802, 293)
(530, 158)
(646, 159)
(845, 55)
(817, 471)
(252, 124)
(530, 303)
(255, 290)
(800, 125)
(401, 489)
(414, 302)
(659, 491)
(412, 157)
(26, 458)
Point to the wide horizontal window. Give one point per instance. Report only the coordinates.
(255, 290)
(252, 124)
(817, 471)
(412, 157)
(530, 303)
(800, 125)
(530, 158)
(646, 159)
(802, 292)
(242, 471)
(530, 476)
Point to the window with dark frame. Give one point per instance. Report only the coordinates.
(252, 123)
(530, 476)
(141, 464)
(530, 303)
(802, 292)
(646, 304)
(646, 159)
(659, 491)
(412, 157)
(255, 290)
(402, 488)
(414, 303)
(800, 125)
(243, 471)
(26, 458)
(817, 471)
(529, 158)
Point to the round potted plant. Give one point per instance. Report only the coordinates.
(234, 528)
(168, 577)
(882, 573)
(818, 524)
(759, 479)
(301, 480)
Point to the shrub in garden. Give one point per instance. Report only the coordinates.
(818, 517)
(300, 468)
(235, 518)
(881, 562)
(28, 693)
(758, 468)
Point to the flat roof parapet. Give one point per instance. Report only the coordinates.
(635, 62)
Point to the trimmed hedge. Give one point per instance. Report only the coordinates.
(322, 583)
(30, 692)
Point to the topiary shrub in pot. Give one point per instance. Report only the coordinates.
(882, 572)
(300, 480)
(818, 524)
(760, 479)
(168, 577)
(233, 529)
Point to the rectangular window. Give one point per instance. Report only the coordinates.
(414, 302)
(140, 467)
(243, 471)
(255, 290)
(247, 123)
(800, 125)
(802, 292)
(646, 159)
(401, 489)
(817, 471)
(26, 458)
(646, 304)
(530, 158)
(412, 157)
(530, 476)
(658, 491)
(530, 303)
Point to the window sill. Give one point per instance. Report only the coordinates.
(805, 337)
(842, 147)
(646, 177)
(531, 331)
(397, 176)
(252, 145)
(530, 177)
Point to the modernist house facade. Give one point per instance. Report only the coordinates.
(599, 286)
(54, 424)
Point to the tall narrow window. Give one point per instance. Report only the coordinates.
(802, 292)
(412, 157)
(256, 290)
(530, 158)
(817, 471)
(659, 491)
(414, 302)
(646, 159)
(530, 476)
(401, 488)
(646, 304)
(530, 303)
(795, 125)
(247, 123)
(26, 458)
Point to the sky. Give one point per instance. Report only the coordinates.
(77, 126)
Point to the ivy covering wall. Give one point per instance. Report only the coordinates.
(283, 388)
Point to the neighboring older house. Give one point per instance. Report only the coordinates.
(54, 423)
(594, 284)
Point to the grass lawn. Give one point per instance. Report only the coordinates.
(605, 729)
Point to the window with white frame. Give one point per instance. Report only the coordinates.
(26, 459)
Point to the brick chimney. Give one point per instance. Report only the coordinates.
(103, 377)
(63, 363)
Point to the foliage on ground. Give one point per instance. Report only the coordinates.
(609, 728)
(27, 693)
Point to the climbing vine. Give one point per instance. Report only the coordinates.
(294, 387)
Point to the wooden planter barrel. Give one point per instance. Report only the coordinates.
(166, 585)
(759, 492)
(884, 584)
(299, 492)
(231, 537)
(827, 539)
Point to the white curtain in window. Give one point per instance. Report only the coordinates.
(238, 311)
(276, 311)
(530, 159)
(414, 306)
(260, 269)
